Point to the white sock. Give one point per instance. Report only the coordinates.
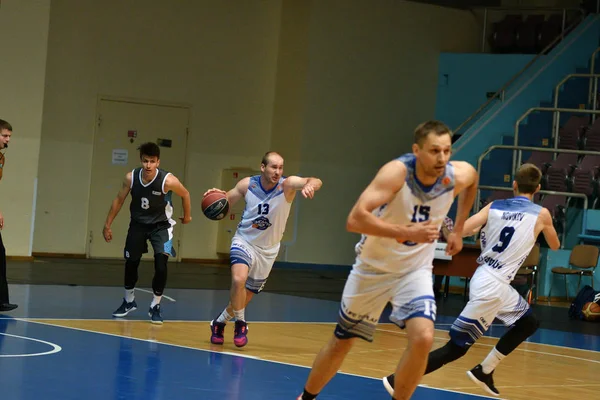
(224, 317)
(129, 296)
(491, 361)
(239, 314)
(155, 301)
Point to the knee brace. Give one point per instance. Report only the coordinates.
(523, 328)
(444, 355)
(131, 273)
(160, 273)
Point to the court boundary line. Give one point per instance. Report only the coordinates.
(55, 348)
(281, 322)
(234, 355)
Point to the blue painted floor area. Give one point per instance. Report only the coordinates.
(89, 302)
(97, 366)
(43, 361)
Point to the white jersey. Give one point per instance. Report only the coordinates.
(265, 215)
(508, 236)
(413, 203)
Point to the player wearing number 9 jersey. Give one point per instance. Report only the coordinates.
(509, 229)
(399, 216)
(151, 210)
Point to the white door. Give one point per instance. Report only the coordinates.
(122, 128)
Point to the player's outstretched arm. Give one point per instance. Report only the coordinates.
(173, 184)
(547, 228)
(236, 194)
(308, 186)
(388, 181)
(115, 207)
(475, 222)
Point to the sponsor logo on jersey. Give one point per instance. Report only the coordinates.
(261, 223)
(156, 193)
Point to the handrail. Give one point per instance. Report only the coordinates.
(565, 79)
(554, 133)
(556, 119)
(550, 192)
(500, 92)
(520, 149)
(517, 8)
(592, 71)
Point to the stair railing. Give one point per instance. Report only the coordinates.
(557, 111)
(519, 150)
(501, 92)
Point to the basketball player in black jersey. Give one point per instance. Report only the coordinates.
(151, 210)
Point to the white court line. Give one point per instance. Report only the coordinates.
(55, 348)
(519, 349)
(152, 293)
(27, 319)
(234, 354)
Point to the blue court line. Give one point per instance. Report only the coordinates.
(94, 365)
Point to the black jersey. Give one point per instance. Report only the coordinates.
(149, 203)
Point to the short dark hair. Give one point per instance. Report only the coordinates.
(266, 157)
(149, 149)
(528, 178)
(5, 125)
(424, 129)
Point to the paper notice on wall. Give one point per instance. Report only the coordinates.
(119, 156)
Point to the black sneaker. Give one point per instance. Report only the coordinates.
(125, 309)
(388, 384)
(484, 381)
(154, 314)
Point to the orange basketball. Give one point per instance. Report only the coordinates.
(591, 311)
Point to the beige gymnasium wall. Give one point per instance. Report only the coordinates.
(337, 86)
(219, 57)
(22, 72)
(372, 78)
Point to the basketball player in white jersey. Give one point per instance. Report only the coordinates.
(399, 216)
(255, 245)
(509, 230)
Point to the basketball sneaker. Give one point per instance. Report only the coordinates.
(240, 333)
(216, 332)
(154, 314)
(125, 309)
(484, 381)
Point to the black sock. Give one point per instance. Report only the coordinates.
(308, 396)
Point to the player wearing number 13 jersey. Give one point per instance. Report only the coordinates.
(255, 245)
(151, 210)
(399, 216)
(509, 229)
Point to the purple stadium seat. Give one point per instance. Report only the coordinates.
(526, 35)
(539, 158)
(504, 34)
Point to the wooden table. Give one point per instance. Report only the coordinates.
(462, 264)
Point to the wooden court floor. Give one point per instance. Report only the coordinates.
(532, 371)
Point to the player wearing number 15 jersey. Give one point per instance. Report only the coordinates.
(151, 210)
(399, 216)
(509, 229)
(255, 245)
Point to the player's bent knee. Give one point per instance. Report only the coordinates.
(239, 280)
(341, 345)
(421, 341)
(160, 261)
(528, 324)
